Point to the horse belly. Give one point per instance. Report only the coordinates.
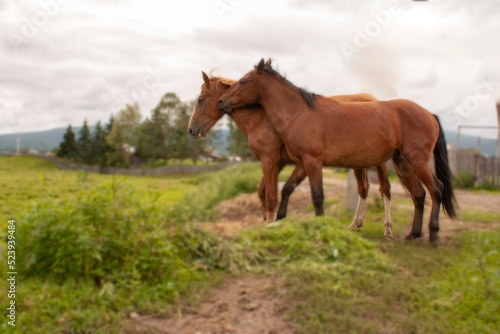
(361, 153)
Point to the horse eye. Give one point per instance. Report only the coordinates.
(201, 99)
(241, 82)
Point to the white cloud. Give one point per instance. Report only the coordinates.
(89, 57)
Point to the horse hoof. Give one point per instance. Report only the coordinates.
(355, 226)
(274, 223)
(389, 236)
(434, 239)
(412, 236)
(280, 215)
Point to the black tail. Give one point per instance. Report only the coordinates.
(443, 172)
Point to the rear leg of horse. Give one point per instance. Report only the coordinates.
(385, 190)
(417, 193)
(262, 197)
(298, 175)
(363, 185)
(435, 188)
(314, 170)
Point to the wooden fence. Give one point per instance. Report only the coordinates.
(169, 169)
(484, 169)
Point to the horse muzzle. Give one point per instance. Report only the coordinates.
(225, 106)
(197, 133)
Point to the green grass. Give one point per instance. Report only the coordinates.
(27, 180)
(479, 216)
(397, 287)
(107, 246)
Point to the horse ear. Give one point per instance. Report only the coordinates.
(205, 78)
(268, 62)
(261, 66)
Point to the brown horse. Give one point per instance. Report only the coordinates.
(268, 147)
(318, 131)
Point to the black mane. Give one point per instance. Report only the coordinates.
(307, 96)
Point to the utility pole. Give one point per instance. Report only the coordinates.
(498, 135)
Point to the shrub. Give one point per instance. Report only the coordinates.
(198, 204)
(464, 180)
(108, 234)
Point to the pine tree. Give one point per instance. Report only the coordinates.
(85, 145)
(68, 147)
(106, 149)
(100, 145)
(181, 140)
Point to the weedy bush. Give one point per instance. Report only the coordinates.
(108, 235)
(464, 180)
(212, 188)
(317, 239)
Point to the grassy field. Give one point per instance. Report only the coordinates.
(26, 180)
(94, 248)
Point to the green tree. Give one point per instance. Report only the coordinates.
(101, 146)
(124, 134)
(85, 145)
(68, 147)
(238, 142)
(154, 131)
(181, 141)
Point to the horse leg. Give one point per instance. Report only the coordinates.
(417, 193)
(435, 188)
(314, 170)
(298, 175)
(363, 185)
(271, 169)
(262, 197)
(385, 190)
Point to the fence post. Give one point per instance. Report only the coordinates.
(480, 169)
(491, 170)
(452, 158)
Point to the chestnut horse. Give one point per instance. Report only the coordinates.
(268, 147)
(319, 131)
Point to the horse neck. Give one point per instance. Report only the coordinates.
(241, 117)
(281, 101)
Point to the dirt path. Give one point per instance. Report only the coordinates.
(244, 305)
(244, 211)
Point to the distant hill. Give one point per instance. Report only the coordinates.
(44, 141)
(488, 145)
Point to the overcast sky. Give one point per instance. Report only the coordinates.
(63, 61)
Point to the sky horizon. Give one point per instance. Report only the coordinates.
(64, 61)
